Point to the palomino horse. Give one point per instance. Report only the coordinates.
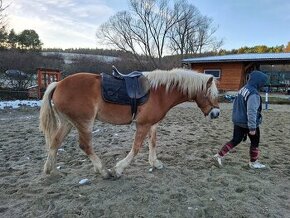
(77, 101)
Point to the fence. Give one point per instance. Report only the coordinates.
(12, 94)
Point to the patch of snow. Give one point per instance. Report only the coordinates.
(70, 57)
(19, 103)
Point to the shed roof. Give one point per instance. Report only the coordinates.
(252, 57)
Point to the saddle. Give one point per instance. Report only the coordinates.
(125, 89)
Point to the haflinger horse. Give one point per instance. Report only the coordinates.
(76, 101)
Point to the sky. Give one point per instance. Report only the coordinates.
(73, 23)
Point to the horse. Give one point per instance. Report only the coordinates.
(76, 101)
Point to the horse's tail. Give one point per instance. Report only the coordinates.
(48, 117)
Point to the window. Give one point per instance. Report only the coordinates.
(215, 72)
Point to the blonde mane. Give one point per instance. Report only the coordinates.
(187, 81)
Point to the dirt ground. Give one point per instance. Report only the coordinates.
(190, 185)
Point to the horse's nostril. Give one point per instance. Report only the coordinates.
(214, 114)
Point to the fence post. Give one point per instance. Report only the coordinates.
(267, 99)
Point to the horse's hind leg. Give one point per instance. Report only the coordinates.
(60, 134)
(85, 139)
(154, 162)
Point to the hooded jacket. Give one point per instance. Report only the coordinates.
(247, 105)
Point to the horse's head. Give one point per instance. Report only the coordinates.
(207, 99)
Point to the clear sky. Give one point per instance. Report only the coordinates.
(73, 23)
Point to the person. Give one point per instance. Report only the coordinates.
(246, 116)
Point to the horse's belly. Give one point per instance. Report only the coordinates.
(114, 114)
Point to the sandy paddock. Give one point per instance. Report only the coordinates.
(190, 185)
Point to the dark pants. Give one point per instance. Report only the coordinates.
(239, 134)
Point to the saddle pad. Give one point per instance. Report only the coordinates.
(114, 91)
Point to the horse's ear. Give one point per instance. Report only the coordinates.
(209, 82)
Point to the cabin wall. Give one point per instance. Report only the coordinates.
(232, 76)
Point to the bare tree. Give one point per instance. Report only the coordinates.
(206, 38)
(194, 33)
(118, 32)
(183, 35)
(3, 33)
(2, 15)
(153, 27)
(143, 31)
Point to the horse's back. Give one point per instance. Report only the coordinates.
(79, 97)
(78, 94)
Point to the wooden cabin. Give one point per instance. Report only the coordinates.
(232, 70)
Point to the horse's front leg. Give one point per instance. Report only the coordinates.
(154, 162)
(141, 133)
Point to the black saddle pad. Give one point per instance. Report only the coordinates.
(114, 91)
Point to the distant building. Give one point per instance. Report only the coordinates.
(232, 70)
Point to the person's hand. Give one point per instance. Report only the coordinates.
(253, 132)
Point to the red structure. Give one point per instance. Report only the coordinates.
(44, 78)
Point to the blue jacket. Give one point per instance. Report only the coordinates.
(247, 105)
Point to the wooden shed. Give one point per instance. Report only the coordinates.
(232, 70)
(44, 78)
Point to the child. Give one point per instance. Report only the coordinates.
(247, 117)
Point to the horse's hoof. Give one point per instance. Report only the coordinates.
(113, 175)
(107, 174)
(158, 165)
(46, 170)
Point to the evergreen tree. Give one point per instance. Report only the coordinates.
(3, 38)
(12, 39)
(29, 39)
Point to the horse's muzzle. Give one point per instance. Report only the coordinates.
(214, 113)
